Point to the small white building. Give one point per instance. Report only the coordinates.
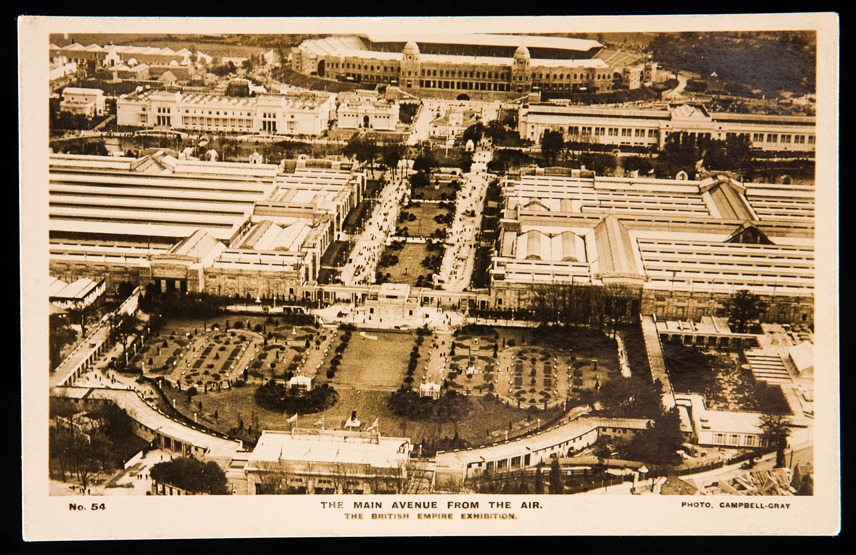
(301, 382)
(366, 110)
(736, 429)
(454, 122)
(88, 102)
(430, 389)
(391, 300)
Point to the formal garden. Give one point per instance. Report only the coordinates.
(215, 355)
(494, 382)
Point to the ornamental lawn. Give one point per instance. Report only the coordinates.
(376, 359)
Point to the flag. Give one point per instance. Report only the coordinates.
(292, 419)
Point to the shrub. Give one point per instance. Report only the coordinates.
(274, 396)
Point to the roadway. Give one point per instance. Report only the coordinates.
(461, 240)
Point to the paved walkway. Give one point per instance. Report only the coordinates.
(655, 359)
(436, 318)
(360, 270)
(459, 255)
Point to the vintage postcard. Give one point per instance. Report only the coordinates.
(429, 276)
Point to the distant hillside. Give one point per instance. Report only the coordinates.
(771, 62)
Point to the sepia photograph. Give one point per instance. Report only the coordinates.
(429, 276)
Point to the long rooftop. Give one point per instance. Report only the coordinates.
(581, 45)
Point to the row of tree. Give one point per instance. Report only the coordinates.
(583, 304)
(366, 149)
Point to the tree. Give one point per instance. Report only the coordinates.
(116, 425)
(620, 303)
(659, 443)
(635, 163)
(419, 179)
(539, 478)
(680, 151)
(577, 144)
(273, 478)
(61, 334)
(776, 429)
(392, 154)
(425, 163)
(494, 130)
(743, 307)
(192, 475)
(556, 484)
(82, 460)
(733, 154)
(122, 326)
(467, 162)
(599, 163)
(474, 133)
(124, 290)
(364, 149)
(403, 477)
(552, 143)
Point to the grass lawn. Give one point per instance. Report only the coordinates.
(442, 191)
(424, 225)
(409, 266)
(368, 362)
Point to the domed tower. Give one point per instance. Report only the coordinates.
(521, 71)
(409, 78)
